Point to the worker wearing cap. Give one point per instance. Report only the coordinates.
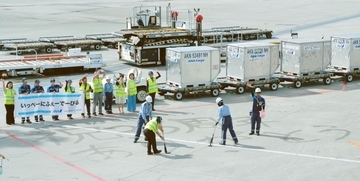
(24, 89)
(145, 115)
(37, 89)
(258, 105)
(69, 89)
(108, 95)
(150, 130)
(86, 89)
(226, 121)
(53, 88)
(98, 91)
(151, 85)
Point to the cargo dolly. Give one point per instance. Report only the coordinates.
(240, 85)
(179, 92)
(299, 80)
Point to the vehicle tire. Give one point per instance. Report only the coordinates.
(4, 74)
(48, 50)
(240, 89)
(349, 78)
(246, 37)
(274, 86)
(116, 46)
(178, 96)
(97, 47)
(215, 92)
(141, 94)
(327, 81)
(268, 35)
(297, 84)
(19, 52)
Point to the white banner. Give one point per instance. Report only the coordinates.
(48, 104)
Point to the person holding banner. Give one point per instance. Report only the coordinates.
(24, 89)
(36, 90)
(53, 88)
(69, 89)
(86, 88)
(9, 93)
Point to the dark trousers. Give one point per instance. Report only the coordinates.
(23, 118)
(255, 118)
(153, 99)
(10, 114)
(108, 101)
(227, 124)
(87, 103)
(55, 116)
(150, 135)
(37, 117)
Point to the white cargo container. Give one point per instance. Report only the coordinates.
(252, 61)
(191, 70)
(192, 66)
(345, 59)
(305, 56)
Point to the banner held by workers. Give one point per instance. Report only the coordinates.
(48, 104)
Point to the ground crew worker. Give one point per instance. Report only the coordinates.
(86, 88)
(9, 102)
(54, 88)
(132, 90)
(69, 89)
(145, 115)
(151, 128)
(24, 89)
(120, 93)
(37, 89)
(226, 121)
(151, 85)
(258, 105)
(108, 94)
(98, 91)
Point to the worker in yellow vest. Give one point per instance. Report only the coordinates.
(69, 89)
(151, 85)
(120, 93)
(151, 128)
(9, 94)
(86, 89)
(98, 91)
(132, 90)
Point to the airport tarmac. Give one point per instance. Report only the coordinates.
(311, 133)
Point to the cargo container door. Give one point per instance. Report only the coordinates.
(290, 59)
(355, 53)
(340, 53)
(234, 62)
(173, 70)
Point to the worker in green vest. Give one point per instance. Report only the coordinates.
(9, 94)
(120, 93)
(131, 87)
(69, 89)
(98, 91)
(86, 89)
(151, 85)
(151, 128)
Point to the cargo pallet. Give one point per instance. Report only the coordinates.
(344, 72)
(179, 93)
(240, 85)
(298, 80)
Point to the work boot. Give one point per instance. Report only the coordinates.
(83, 115)
(23, 122)
(101, 114)
(236, 142)
(44, 120)
(94, 114)
(157, 152)
(136, 139)
(150, 153)
(257, 133)
(251, 133)
(222, 143)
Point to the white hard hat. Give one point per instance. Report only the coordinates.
(108, 78)
(257, 90)
(148, 99)
(218, 100)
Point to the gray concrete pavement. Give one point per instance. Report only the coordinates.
(309, 133)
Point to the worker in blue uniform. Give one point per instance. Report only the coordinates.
(145, 115)
(53, 88)
(226, 121)
(24, 89)
(37, 89)
(258, 105)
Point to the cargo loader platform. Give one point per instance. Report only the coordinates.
(179, 92)
(344, 72)
(299, 80)
(240, 85)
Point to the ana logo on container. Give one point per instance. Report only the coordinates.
(196, 60)
(257, 56)
(57, 111)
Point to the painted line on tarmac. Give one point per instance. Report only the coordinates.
(233, 147)
(53, 156)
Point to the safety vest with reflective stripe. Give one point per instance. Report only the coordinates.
(119, 91)
(132, 88)
(82, 88)
(98, 87)
(152, 125)
(152, 85)
(70, 89)
(10, 96)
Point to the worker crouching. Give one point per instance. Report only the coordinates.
(150, 130)
(226, 121)
(145, 115)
